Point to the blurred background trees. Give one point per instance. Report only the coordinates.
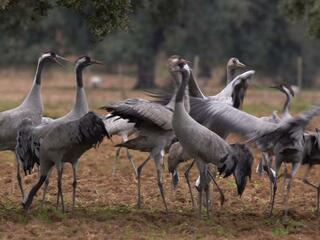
(136, 32)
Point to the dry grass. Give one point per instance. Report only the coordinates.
(106, 206)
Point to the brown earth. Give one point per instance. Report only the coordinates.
(106, 205)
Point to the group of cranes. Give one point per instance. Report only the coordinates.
(198, 126)
(186, 124)
(34, 138)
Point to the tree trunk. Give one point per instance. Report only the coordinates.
(147, 62)
(146, 73)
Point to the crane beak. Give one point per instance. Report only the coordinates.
(62, 58)
(97, 62)
(276, 87)
(241, 65)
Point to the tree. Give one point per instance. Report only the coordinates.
(102, 17)
(305, 10)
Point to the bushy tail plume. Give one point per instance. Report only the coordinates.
(27, 149)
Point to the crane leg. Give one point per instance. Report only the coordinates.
(285, 176)
(159, 165)
(60, 193)
(203, 185)
(139, 170)
(74, 184)
(27, 202)
(45, 186)
(206, 189)
(132, 162)
(274, 187)
(186, 174)
(116, 161)
(306, 181)
(295, 167)
(318, 199)
(222, 198)
(19, 177)
(200, 201)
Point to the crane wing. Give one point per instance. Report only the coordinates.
(142, 111)
(287, 128)
(213, 113)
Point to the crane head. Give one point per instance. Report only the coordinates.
(52, 57)
(176, 63)
(285, 88)
(85, 61)
(234, 63)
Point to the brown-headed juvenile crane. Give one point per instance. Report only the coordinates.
(232, 65)
(31, 107)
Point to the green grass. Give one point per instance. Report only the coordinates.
(280, 231)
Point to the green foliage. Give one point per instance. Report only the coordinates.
(135, 32)
(101, 17)
(308, 11)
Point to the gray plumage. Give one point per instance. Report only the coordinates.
(155, 135)
(204, 145)
(36, 132)
(288, 144)
(123, 128)
(311, 157)
(75, 138)
(224, 96)
(266, 161)
(153, 122)
(30, 149)
(31, 107)
(229, 95)
(285, 138)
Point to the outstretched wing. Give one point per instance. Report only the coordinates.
(218, 116)
(142, 111)
(290, 127)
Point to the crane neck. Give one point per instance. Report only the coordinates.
(231, 72)
(81, 103)
(79, 80)
(194, 89)
(37, 78)
(182, 89)
(286, 106)
(33, 99)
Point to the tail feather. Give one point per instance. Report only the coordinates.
(27, 148)
(92, 129)
(243, 167)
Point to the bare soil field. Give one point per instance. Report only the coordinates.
(106, 205)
